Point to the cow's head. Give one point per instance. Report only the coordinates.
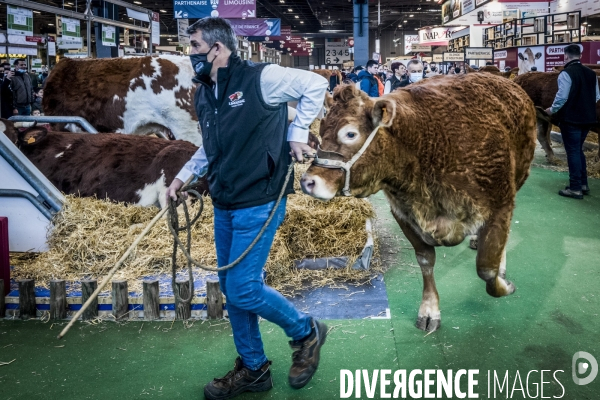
(527, 60)
(344, 131)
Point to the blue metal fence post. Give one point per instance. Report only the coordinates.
(361, 32)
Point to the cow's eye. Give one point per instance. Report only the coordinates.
(351, 135)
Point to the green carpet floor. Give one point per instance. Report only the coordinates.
(553, 259)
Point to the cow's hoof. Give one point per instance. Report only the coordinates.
(428, 324)
(473, 242)
(499, 287)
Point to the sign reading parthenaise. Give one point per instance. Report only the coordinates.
(214, 8)
(479, 53)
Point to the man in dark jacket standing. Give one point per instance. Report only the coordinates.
(6, 98)
(575, 107)
(242, 110)
(22, 88)
(368, 84)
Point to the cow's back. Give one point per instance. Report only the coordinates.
(541, 87)
(108, 165)
(472, 126)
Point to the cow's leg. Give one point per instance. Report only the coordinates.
(543, 134)
(491, 253)
(429, 318)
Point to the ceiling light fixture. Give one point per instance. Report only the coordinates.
(405, 21)
(419, 9)
(37, 12)
(295, 16)
(50, 24)
(301, 22)
(290, 10)
(163, 11)
(411, 15)
(585, 23)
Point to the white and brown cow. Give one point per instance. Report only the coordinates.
(448, 158)
(138, 95)
(123, 168)
(527, 60)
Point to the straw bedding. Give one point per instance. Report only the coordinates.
(90, 235)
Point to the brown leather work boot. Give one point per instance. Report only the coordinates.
(239, 380)
(305, 359)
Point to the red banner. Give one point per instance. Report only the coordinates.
(37, 39)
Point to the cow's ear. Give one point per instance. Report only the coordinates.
(345, 93)
(32, 136)
(521, 56)
(384, 112)
(538, 55)
(8, 127)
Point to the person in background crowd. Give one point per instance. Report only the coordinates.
(489, 63)
(43, 75)
(389, 74)
(414, 69)
(575, 108)
(475, 67)
(353, 76)
(36, 113)
(507, 69)
(367, 81)
(380, 81)
(21, 88)
(247, 131)
(398, 78)
(6, 98)
(38, 96)
(334, 80)
(35, 82)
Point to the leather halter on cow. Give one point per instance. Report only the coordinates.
(331, 159)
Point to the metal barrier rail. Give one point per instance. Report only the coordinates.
(57, 119)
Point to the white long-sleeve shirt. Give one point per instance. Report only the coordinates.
(278, 85)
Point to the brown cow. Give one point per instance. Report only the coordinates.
(492, 69)
(447, 157)
(119, 167)
(541, 88)
(137, 95)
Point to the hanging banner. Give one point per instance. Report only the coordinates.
(19, 21)
(468, 6)
(215, 8)
(531, 57)
(109, 37)
(256, 26)
(155, 29)
(436, 36)
(337, 51)
(455, 8)
(52, 48)
(409, 40)
(418, 48)
(140, 16)
(67, 42)
(70, 27)
(182, 36)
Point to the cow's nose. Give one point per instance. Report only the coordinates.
(308, 184)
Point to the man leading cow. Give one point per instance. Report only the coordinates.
(242, 110)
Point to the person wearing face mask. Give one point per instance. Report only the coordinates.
(398, 78)
(414, 69)
(22, 89)
(242, 112)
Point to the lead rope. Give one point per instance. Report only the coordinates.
(173, 223)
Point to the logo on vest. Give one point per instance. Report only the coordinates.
(235, 99)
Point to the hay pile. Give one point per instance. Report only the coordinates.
(90, 235)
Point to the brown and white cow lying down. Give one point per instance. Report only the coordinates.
(138, 95)
(541, 88)
(122, 168)
(450, 156)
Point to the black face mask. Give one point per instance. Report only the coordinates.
(201, 65)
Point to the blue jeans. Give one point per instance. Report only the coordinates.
(24, 110)
(573, 137)
(248, 297)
